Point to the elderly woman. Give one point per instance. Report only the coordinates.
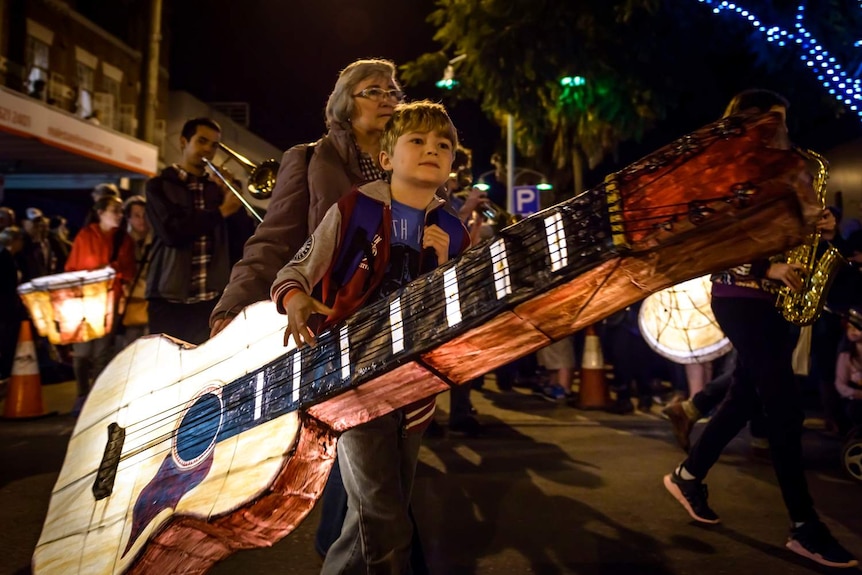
(312, 177)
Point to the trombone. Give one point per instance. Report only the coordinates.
(495, 215)
(261, 178)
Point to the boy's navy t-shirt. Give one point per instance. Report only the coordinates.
(407, 226)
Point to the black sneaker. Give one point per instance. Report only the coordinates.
(692, 495)
(813, 540)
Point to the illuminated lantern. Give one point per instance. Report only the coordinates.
(678, 323)
(71, 307)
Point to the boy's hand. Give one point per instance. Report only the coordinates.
(788, 274)
(434, 237)
(299, 308)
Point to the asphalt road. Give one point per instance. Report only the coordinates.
(546, 490)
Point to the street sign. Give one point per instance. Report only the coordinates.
(526, 199)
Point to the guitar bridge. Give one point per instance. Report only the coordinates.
(104, 484)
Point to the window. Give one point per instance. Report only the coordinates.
(37, 67)
(86, 76)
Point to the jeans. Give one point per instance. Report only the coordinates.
(377, 462)
(763, 376)
(89, 359)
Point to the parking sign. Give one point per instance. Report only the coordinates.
(526, 200)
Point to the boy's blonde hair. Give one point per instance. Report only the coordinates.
(421, 116)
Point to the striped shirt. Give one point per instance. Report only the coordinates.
(202, 248)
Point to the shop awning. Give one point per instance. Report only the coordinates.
(36, 138)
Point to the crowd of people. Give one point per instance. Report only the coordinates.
(401, 163)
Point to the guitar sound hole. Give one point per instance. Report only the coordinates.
(199, 428)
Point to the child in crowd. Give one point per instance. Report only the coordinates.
(848, 373)
(414, 235)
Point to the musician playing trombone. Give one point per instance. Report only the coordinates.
(189, 262)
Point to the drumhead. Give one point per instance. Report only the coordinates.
(677, 322)
(68, 279)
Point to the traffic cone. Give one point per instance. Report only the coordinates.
(24, 396)
(594, 389)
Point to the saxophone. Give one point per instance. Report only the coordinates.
(805, 306)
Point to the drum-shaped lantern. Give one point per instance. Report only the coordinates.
(677, 322)
(71, 307)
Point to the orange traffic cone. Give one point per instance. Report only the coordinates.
(594, 389)
(24, 396)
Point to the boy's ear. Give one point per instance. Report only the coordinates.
(183, 143)
(385, 161)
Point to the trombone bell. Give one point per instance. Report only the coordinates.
(261, 178)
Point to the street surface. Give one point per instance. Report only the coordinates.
(546, 490)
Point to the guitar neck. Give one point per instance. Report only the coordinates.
(527, 258)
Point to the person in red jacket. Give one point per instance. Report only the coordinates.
(99, 244)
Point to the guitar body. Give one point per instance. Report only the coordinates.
(272, 473)
(183, 455)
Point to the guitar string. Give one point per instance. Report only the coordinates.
(469, 282)
(172, 412)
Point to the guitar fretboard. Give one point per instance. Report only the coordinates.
(527, 258)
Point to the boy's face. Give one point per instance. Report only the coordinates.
(202, 145)
(422, 159)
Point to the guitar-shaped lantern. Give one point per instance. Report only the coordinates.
(184, 455)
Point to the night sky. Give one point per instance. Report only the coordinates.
(282, 57)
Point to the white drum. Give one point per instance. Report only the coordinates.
(677, 322)
(71, 307)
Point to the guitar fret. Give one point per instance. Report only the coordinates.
(556, 236)
(345, 353)
(296, 382)
(500, 268)
(450, 291)
(258, 395)
(396, 326)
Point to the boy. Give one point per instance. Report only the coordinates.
(372, 242)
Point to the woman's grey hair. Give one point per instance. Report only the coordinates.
(339, 107)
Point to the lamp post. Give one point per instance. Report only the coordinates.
(447, 82)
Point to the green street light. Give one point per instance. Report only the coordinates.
(573, 81)
(446, 83)
(544, 187)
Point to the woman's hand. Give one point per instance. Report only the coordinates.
(434, 237)
(299, 307)
(219, 325)
(788, 274)
(826, 225)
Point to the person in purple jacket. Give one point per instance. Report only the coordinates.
(743, 301)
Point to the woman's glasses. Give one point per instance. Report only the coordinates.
(378, 94)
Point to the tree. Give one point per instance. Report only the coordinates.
(640, 61)
(517, 51)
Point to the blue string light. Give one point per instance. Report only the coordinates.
(835, 80)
